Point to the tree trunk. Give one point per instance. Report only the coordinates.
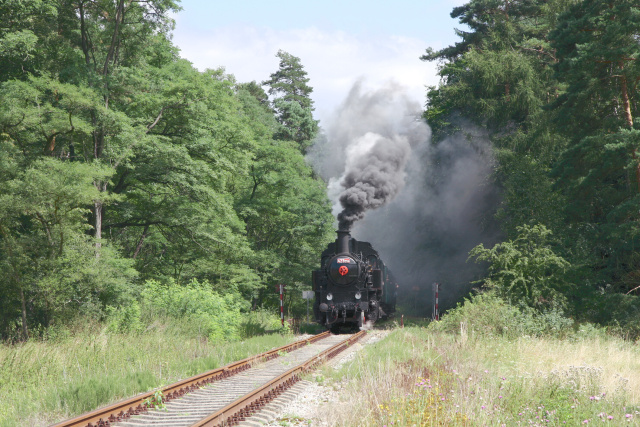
(141, 241)
(97, 214)
(98, 206)
(25, 331)
(625, 103)
(629, 120)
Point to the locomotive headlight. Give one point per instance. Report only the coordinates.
(358, 295)
(329, 296)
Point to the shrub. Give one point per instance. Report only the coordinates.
(619, 313)
(124, 319)
(526, 270)
(199, 309)
(488, 314)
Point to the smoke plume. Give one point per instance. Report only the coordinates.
(434, 202)
(373, 178)
(368, 145)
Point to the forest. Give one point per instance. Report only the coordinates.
(131, 181)
(124, 169)
(554, 84)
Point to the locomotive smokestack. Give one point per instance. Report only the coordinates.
(342, 242)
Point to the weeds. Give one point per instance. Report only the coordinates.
(418, 377)
(156, 400)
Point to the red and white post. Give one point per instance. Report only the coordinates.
(282, 304)
(436, 290)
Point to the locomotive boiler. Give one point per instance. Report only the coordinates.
(353, 287)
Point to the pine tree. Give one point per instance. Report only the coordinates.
(597, 48)
(290, 82)
(292, 103)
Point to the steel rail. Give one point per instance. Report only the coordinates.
(245, 406)
(124, 409)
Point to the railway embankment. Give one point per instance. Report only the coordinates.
(438, 376)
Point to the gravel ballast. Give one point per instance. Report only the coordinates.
(310, 402)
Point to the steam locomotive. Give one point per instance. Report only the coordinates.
(353, 287)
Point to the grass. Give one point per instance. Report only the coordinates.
(81, 369)
(418, 377)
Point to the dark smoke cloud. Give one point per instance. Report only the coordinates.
(365, 149)
(373, 178)
(445, 209)
(440, 201)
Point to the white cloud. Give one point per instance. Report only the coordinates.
(333, 60)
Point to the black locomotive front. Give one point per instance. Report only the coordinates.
(352, 286)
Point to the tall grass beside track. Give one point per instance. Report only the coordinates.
(419, 376)
(86, 367)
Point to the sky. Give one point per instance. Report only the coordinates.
(338, 42)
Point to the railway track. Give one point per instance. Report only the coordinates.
(224, 396)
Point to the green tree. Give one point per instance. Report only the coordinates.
(289, 83)
(115, 153)
(500, 74)
(285, 208)
(500, 77)
(599, 172)
(526, 269)
(44, 247)
(292, 102)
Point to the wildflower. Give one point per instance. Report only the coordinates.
(499, 397)
(628, 415)
(585, 422)
(610, 417)
(482, 407)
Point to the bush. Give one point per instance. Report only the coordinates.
(619, 313)
(488, 314)
(124, 319)
(526, 270)
(202, 311)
